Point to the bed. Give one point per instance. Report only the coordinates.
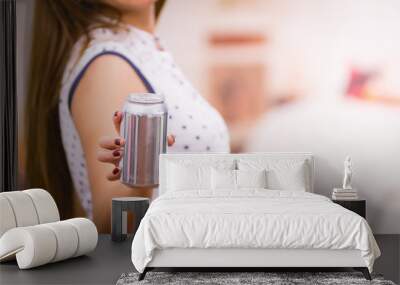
(247, 211)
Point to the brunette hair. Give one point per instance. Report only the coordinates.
(57, 27)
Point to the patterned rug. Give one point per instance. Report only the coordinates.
(243, 278)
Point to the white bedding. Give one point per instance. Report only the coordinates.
(251, 218)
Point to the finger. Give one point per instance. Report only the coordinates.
(111, 143)
(109, 156)
(171, 140)
(114, 175)
(117, 118)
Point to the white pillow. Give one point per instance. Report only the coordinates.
(251, 178)
(282, 174)
(293, 179)
(223, 179)
(185, 177)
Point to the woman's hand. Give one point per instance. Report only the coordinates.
(111, 148)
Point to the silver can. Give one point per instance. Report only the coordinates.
(144, 128)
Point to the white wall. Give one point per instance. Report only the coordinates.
(312, 44)
(333, 129)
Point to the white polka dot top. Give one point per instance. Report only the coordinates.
(198, 127)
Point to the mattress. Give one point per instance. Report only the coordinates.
(250, 219)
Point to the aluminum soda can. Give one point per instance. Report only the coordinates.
(144, 128)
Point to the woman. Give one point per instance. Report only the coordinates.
(87, 57)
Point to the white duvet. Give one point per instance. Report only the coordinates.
(250, 219)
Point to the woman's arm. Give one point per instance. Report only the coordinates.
(100, 93)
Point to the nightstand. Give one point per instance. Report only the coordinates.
(357, 206)
(137, 205)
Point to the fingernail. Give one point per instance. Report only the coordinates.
(116, 153)
(117, 141)
(115, 171)
(116, 113)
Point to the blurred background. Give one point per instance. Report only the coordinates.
(319, 76)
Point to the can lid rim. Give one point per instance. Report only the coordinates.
(145, 98)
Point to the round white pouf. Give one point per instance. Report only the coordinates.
(87, 233)
(33, 246)
(23, 208)
(31, 231)
(7, 218)
(40, 244)
(45, 205)
(67, 240)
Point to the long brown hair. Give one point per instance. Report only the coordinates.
(57, 27)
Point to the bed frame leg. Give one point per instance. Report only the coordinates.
(143, 274)
(364, 271)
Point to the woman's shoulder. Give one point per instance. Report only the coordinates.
(101, 41)
(108, 40)
(121, 36)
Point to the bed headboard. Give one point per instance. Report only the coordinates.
(215, 157)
